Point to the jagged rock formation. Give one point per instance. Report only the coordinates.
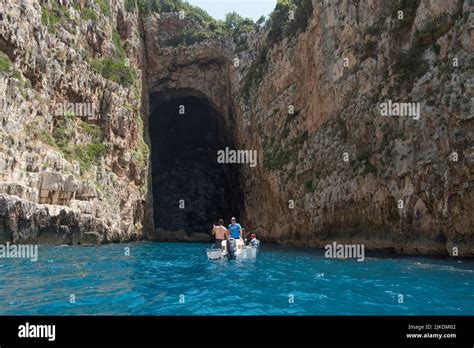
(334, 169)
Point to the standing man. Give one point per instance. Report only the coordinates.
(219, 232)
(235, 230)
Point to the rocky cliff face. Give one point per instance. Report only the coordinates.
(336, 169)
(330, 166)
(73, 163)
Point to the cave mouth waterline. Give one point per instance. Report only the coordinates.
(190, 189)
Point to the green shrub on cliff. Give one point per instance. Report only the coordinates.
(370, 168)
(87, 13)
(303, 11)
(408, 8)
(6, 67)
(279, 21)
(130, 5)
(236, 23)
(368, 50)
(91, 129)
(54, 15)
(52, 18)
(46, 138)
(60, 134)
(197, 13)
(5, 63)
(410, 64)
(275, 160)
(120, 51)
(232, 25)
(87, 154)
(300, 139)
(309, 186)
(189, 38)
(433, 30)
(104, 6)
(289, 17)
(162, 6)
(114, 69)
(149, 6)
(141, 151)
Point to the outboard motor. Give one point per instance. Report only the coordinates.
(232, 249)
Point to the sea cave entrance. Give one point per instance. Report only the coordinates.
(191, 190)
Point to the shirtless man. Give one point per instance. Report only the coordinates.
(219, 232)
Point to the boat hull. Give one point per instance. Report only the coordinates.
(246, 253)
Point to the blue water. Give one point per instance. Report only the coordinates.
(177, 279)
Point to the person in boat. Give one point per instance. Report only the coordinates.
(254, 241)
(219, 232)
(243, 236)
(246, 237)
(234, 229)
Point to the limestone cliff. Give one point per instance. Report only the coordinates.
(304, 92)
(355, 176)
(73, 163)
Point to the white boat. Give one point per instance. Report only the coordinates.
(234, 249)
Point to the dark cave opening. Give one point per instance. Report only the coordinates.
(191, 190)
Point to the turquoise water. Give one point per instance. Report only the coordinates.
(177, 279)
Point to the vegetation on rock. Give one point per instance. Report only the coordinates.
(162, 6)
(408, 8)
(87, 154)
(282, 25)
(141, 151)
(114, 69)
(410, 64)
(5, 63)
(104, 6)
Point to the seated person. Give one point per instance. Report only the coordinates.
(254, 241)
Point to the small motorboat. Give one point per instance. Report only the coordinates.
(234, 249)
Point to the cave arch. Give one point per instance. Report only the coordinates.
(190, 190)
